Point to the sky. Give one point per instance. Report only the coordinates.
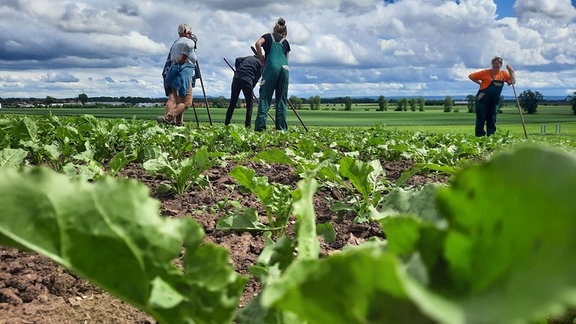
(356, 48)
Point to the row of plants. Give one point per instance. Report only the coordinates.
(495, 245)
(59, 141)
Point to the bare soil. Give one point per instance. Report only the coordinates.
(34, 289)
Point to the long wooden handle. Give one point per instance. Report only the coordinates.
(520, 111)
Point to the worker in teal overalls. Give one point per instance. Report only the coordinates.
(491, 83)
(274, 76)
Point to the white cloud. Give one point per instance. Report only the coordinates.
(131, 44)
(60, 76)
(545, 11)
(339, 48)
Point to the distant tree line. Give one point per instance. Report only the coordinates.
(528, 100)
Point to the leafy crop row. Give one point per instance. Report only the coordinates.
(495, 245)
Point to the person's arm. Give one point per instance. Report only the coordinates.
(287, 49)
(474, 79)
(182, 59)
(167, 65)
(257, 73)
(257, 76)
(512, 74)
(259, 52)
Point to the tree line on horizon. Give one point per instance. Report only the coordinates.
(528, 100)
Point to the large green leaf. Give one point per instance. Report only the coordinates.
(358, 172)
(505, 253)
(308, 244)
(274, 155)
(411, 202)
(360, 285)
(118, 161)
(511, 248)
(245, 219)
(25, 129)
(111, 233)
(12, 157)
(257, 185)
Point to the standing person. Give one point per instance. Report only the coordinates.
(275, 75)
(246, 76)
(491, 82)
(179, 76)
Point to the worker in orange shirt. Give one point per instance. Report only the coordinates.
(491, 82)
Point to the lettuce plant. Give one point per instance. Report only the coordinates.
(275, 198)
(183, 173)
(365, 183)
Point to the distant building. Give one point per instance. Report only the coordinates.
(62, 104)
(147, 104)
(109, 103)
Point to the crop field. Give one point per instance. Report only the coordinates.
(367, 217)
(360, 115)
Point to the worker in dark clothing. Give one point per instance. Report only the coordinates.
(246, 76)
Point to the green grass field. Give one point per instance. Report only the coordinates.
(557, 120)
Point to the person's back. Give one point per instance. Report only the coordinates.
(246, 76)
(248, 69)
(275, 76)
(184, 45)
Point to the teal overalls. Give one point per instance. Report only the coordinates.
(487, 104)
(274, 79)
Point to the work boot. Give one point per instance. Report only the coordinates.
(164, 120)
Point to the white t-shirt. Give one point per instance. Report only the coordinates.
(183, 45)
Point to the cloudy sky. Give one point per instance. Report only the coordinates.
(62, 48)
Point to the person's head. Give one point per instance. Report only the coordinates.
(280, 27)
(184, 30)
(497, 62)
